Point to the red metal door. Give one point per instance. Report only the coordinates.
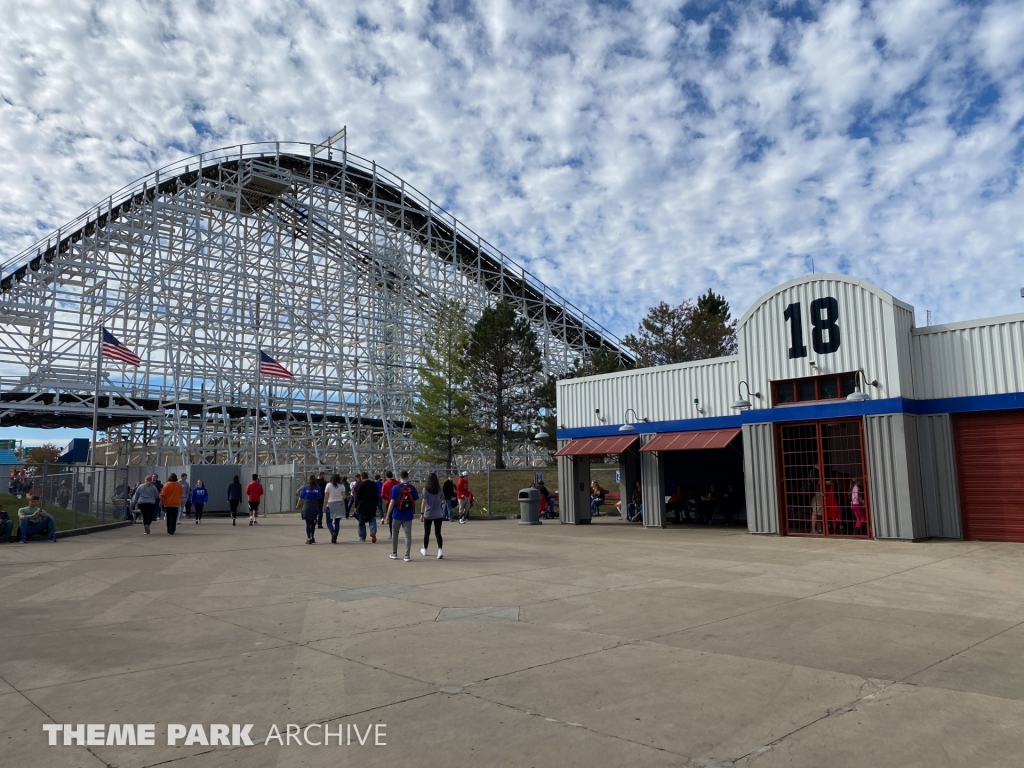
(990, 465)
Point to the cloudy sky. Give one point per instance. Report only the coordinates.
(626, 152)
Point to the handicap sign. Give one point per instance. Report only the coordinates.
(618, 477)
(538, 477)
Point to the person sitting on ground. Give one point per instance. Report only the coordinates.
(6, 526)
(32, 520)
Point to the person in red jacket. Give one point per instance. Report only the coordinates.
(385, 489)
(465, 497)
(254, 492)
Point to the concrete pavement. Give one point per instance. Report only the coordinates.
(553, 645)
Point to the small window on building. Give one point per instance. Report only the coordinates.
(833, 387)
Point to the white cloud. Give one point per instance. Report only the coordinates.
(602, 146)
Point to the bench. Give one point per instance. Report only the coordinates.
(611, 498)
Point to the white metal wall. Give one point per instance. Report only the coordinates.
(652, 483)
(665, 393)
(982, 357)
(939, 476)
(893, 478)
(759, 478)
(870, 337)
(566, 484)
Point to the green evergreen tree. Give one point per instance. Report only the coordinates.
(443, 415)
(503, 360)
(685, 333)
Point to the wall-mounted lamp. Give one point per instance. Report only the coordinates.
(696, 404)
(742, 403)
(859, 396)
(602, 419)
(626, 426)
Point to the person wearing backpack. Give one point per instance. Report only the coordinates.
(402, 509)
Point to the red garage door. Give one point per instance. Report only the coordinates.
(990, 461)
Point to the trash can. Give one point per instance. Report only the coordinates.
(529, 506)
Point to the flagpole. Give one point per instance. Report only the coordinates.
(95, 417)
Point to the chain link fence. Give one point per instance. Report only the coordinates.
(76, 497)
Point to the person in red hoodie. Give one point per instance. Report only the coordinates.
(254, 492)
(465, 497)
(385, 493)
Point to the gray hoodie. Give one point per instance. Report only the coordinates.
(147, 493)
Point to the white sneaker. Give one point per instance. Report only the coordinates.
(440, 554)
(407, 558)
(393, 556)
(423, 551)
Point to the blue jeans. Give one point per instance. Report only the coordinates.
(595, 506)
(634, 512)
(5, 530)
(334, 526)
(362, 528)
(28, 528)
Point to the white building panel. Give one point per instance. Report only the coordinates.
(981, 357)
(893, 483)
(837, 322)
(759, 479)
(665, 393)
(939, 476)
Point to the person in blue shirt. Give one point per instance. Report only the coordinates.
(309, 499)
(402, 509)
(199, 498)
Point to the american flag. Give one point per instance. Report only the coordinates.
(270, 367)
(114, 349)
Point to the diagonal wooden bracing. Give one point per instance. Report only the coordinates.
(342, 264)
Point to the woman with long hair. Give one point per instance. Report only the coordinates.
(335, 499)
(309, 499)
(860, 518)
(199, 498)
(432, 514)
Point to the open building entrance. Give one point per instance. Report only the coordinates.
(702, 476)
(820, 463)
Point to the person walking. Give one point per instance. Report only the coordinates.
(366, 502)
(145, 499)
(186, 498)
(199, 498)
(159, 487)
(170, 500)
(432, 514)
(348, 494)
(254, 492)
(321, 483)
(310, 499)
(465, 497)
(385, 494)
(448, 491)
(402, 509)
(234, 497)
(335, 499)
(857, 507)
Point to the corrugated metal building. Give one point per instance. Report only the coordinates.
(837, 417)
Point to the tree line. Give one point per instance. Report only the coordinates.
(482, 384)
